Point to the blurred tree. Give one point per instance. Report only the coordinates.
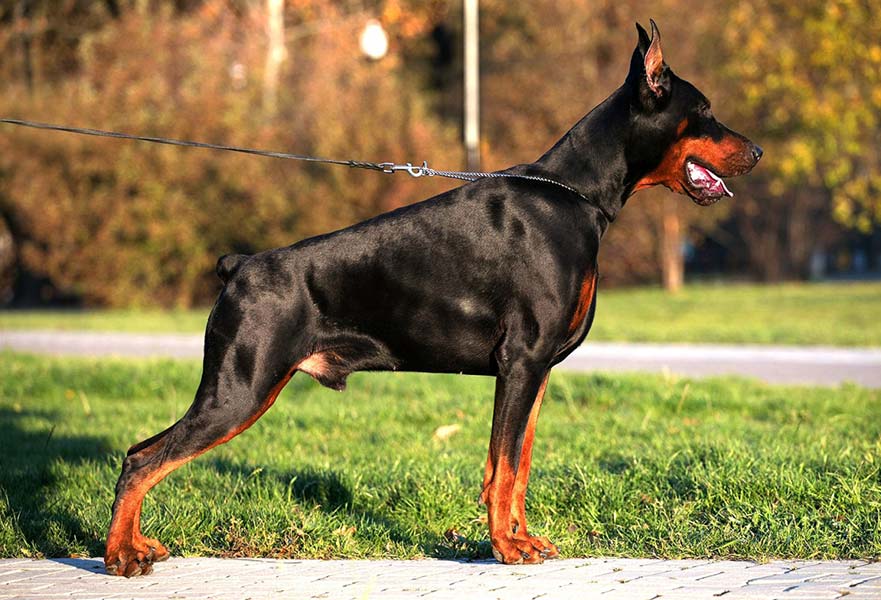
(121, 223)
(125, 224)
(804, 78)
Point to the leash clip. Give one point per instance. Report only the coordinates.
(418, 171)
(413, 171)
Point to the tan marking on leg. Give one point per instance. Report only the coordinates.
(487, 477)
(505, 547)
(499, 500)
(125, 541)
(540, 544)
(521, 481)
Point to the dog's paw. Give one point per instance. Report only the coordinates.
(512, 551)
(156, 552)
(129, 561)
(545, 548)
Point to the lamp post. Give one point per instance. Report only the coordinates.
(275, 54)
(472, 86)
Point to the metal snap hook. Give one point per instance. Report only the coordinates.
(417, 171)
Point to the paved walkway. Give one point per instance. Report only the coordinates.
(810, 365)
(576, 579)
(775, 364)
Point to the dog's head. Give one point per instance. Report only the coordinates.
(675, 140)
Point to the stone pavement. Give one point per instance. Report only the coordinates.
(575, 579)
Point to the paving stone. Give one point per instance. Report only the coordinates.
(871, 582)
(575, 579)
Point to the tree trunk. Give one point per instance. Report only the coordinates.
(25, 39)
(672, 260)
(275, 54)
(763, 226)
(8, 260)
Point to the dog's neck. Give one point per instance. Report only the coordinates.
(591, 156)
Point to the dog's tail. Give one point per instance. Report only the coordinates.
(228, 264)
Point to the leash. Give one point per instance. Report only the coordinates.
(385, 167)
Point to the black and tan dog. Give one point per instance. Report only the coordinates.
(494, 278)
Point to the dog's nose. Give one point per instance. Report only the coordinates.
(757, 152)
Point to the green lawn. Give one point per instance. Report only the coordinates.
(842, 314)
(624, 465)
(137, 321)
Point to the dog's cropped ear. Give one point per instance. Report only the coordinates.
(648, 69)
(655, 68)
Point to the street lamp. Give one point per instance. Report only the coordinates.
(373, 40)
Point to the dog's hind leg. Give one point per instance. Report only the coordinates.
(241, 379)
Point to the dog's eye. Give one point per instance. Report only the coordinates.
(705, 110)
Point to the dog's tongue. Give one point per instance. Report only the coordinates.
(708, 180)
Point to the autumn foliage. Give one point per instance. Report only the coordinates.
(121, 223)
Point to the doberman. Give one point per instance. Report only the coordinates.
(497, 277)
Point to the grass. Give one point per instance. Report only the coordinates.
(835, 314)
(624, 465)
(839, 314)
(126, 320)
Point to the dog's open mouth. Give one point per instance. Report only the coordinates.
(707, 187)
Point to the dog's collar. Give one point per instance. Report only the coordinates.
(425, 171)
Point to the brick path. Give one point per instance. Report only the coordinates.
(575, 579)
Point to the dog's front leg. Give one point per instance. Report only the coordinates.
(518, 503)
(516, 392)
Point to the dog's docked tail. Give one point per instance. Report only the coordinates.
(228, 264)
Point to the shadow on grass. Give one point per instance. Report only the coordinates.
(29, 460)
(34, 458)
(322, 488)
